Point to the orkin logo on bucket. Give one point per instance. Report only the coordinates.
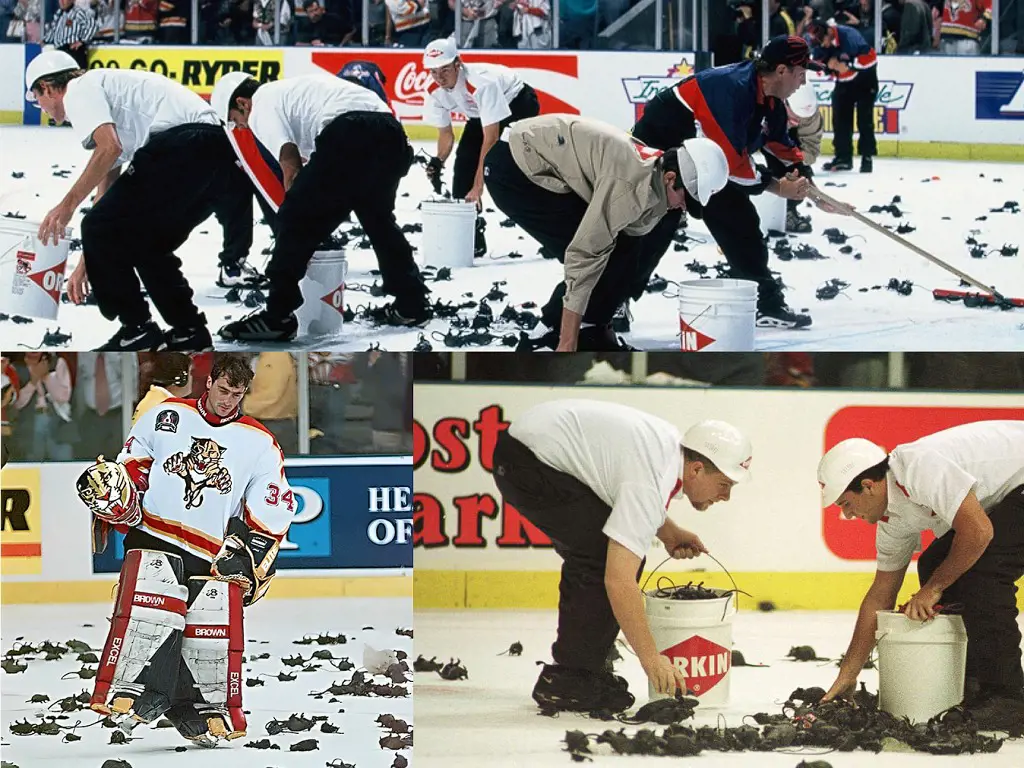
(335, 298)
(702, 662)
(692, 339)
(50, 280)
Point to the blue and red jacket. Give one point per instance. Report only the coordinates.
(731, 108)
(849, 46)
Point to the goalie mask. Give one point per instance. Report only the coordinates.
(109, 493)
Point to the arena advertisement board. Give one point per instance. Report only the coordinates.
(889, 426)
(462, 524)
(999, 95)
(21, 542)
(352, 513)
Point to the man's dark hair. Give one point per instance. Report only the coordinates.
(875, 474)
(233, 367)
(248, 87)
(670, 162)
(692, 455)
(58, 81)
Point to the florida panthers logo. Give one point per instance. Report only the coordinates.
(200, 469)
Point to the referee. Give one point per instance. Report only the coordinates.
(71, 31)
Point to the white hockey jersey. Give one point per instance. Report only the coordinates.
(197, 471)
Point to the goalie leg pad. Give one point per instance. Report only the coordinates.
(213, 653)
(140, 657)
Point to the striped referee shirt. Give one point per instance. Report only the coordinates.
(77, 25)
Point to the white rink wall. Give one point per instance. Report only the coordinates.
(932, 100)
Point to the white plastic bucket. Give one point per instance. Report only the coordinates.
(771, 209)
(31, 274)
(449, 231)
(717, 315)
(921, 665)
(696, 636)
(323, 295)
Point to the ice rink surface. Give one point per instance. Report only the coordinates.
(490, 719)
(945, 201)
(271, 627)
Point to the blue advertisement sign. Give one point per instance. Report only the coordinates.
(999, 95)
(352, 513)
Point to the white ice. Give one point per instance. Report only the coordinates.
(270, 627)
(490, 719)
(943, 210)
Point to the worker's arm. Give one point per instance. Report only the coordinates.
(445, 142)
(880, 597)
(291, 164)
(491, 133)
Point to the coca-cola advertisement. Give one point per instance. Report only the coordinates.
(555, 76)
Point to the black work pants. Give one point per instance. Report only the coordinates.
(989, 597)
(729, 215)
(572, 516)
(467, 154)
(552, 219)
(360, 159)
(235, 216)
(173, 184)
(858, 93)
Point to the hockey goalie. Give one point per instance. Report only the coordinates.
(200, 493)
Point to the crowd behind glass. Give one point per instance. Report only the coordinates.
(729, 29)
(76, 405)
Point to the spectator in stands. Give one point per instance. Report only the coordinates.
(408, 23)
(263, 20)
(915, 27)
(963, 23)
(331, 383)
(531, 24)
(11, 390)
(171, 377)
(479, 23)
(7, 20)
(273, 398)
(377, 11)
(26, 26)
(140, 19)
(386, 383)
(320, 28)
(44, 431)
(174, 26)
(107, 19)
(578, 24)
(97, 404)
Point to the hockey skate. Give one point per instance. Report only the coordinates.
(580, 690)
(204, 728)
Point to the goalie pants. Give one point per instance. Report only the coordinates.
(360, 159)
(572, 516)
(989, 597)
(174, 183)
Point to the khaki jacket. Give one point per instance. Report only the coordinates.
(808, 135)
(603, 165)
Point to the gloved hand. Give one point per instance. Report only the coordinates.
(434, 167)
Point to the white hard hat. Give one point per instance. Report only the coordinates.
(724, 445)
(220, 99)
(712, 167)
(46, 63)
(439, 53)
(844, 461)
(804, 101)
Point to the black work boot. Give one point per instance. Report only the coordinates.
(866, 165)
(479, 240)
(839, 164)
(580, 690)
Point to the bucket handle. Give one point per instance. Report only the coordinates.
(736, 591)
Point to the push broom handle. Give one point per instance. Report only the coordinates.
(817, 195)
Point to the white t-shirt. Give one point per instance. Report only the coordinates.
(482, 90)
(929, 478)
(629, 458)
(139, 104)
(296, 110)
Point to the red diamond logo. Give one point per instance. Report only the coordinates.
(702, 662)
(692, 339)
(336, 298)
(50, 280)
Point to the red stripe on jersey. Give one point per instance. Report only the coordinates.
(160, 602)
(678, 487)
(740, 165)
(236, 648)
(175, 531)
(784, 153)
(255, 166)
(866, 60)
(118, 629)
